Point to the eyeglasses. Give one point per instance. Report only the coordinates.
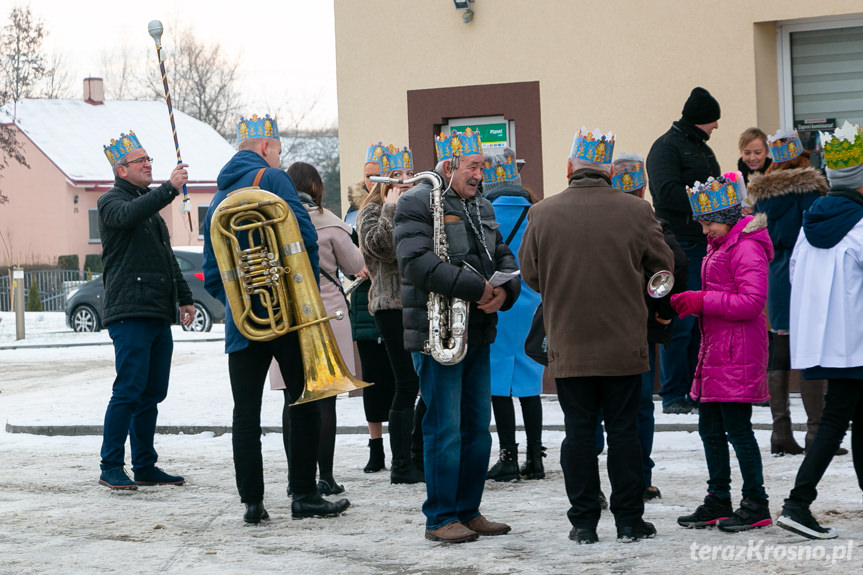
(138, 161)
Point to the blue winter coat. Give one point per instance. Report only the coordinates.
(240, 172)
(513, 372)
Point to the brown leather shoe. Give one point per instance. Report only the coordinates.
(485, 527)
(452, 533)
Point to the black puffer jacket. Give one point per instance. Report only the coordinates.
(677, 159)
(141, 275)
(423, 271)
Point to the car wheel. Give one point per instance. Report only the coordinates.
(202, 321)
(85, 319)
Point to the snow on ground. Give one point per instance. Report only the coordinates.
(54, 518)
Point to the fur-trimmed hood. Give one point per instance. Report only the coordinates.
(758, 222)
(357, 193)
(783, 182)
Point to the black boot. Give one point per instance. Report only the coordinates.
(327, 485)
(533, 468)
(255, 512)
(376, 456)
(313, 505)
(506, 468)
(403, 470)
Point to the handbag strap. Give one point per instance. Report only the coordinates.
(517, 225)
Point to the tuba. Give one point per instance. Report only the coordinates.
(447, 342)
(271, 288)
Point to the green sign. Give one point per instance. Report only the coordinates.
(491, 135)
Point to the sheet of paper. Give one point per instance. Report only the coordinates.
(500, 278)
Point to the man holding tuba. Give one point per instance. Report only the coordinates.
(436, 232)
(257, 163)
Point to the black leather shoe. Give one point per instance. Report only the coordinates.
(255, 512)
(584, 535)
(313, 505)
(329, 487)
(641, 530)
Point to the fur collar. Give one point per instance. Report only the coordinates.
(757, 222)
(357, 193)
(784, 182)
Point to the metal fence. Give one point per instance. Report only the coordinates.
(53, 285)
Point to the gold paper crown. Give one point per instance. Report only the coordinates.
(844, 147)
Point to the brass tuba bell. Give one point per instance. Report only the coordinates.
(271, 289)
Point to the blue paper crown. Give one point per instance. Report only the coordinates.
(785, 146)
(256, 127)
(458, 144)
(119, 148)
(593, 146)
(499, 172)
(716, 194)
(628, 180)
(398, 159)
(375, 151)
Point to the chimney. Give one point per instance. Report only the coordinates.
(94, 91)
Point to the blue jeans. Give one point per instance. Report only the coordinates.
(677, 362)
(142, 355)
(457, 441)
(645, 421)
(720, 424)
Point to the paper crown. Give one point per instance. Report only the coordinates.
(397, 159)
(256, 127)
(844, 147)
(717, 194)
(119, 148)
(784, 145)
(457, 144)
(375, 151)
(593, 146)
(496, 172)
(630, 178)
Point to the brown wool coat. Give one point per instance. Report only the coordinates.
(589, 251)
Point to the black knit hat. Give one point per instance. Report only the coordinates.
(701, 107)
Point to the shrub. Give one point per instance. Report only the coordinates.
(68, 262)
(33, 301)
(93, 263)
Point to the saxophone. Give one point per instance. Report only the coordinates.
(447, 342)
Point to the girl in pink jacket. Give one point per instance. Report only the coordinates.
(732, 362)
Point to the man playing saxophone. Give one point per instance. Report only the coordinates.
(456, 391)
(257, 163)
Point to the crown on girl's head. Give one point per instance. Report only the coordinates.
(844, 147)
(495, 171)
(119, 148)
(630, 178)
(717, 194)
(457, 144)
(399, 159)
(593, 146)
(784, 145)
(375, 151)
(256, 127)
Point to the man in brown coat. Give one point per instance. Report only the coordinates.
(589, 251)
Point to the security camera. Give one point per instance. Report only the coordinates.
(467, 16)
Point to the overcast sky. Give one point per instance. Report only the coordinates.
(286, 47)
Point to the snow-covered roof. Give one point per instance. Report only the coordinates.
(72, 134)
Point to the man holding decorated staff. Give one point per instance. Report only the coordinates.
(257, 163)
(596, 323)
(457, 441)
(143, 287)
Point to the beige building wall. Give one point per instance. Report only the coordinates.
(625, 66)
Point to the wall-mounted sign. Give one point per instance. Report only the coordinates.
(494, 131)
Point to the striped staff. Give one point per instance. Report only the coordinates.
(155, 29)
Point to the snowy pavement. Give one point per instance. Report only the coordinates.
(54, 518)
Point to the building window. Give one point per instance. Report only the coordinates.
(202, 216)
(93, 217)
(821, 66)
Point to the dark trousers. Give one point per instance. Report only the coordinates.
(142, 355)
(581, 399)
(375, 364)
(504, 418)
(677, 362)
(843, 403)
(248, 371)
(407, 383)
(720, 424)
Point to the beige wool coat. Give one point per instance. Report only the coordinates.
(589, 251)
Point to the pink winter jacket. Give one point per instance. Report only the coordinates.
(732, 360)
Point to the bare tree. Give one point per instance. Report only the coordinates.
(203, 82)
(320, 148)
(118, 71)
(57, 83)
(21, 57)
